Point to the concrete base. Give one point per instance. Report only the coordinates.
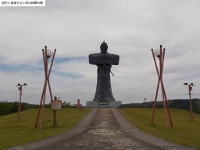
(103, 104)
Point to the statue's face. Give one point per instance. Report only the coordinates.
(104, 49)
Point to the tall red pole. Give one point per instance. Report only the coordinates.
(154, 107)
(160, 54)
(45, 84)
(47, 72)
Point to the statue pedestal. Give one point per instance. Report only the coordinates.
(103, 104)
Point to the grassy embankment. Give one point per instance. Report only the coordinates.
(14, 133)
(184, 131)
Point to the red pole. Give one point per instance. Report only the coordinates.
(164, 104)
(155, 62)
(45, 86)
(154, 107)
(161, 55)
(44, 97)
(39, 107)
(157, 87)
(47, 72)
(50, 72)
(41, 100)
(167, 106)
(162, 86)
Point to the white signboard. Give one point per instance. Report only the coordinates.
(56, 104)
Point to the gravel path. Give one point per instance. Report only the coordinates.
(102, 129)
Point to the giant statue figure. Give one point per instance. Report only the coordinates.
(104, 62)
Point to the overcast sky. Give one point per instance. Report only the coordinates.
(76, 28)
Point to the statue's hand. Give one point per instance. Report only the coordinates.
(107, 66)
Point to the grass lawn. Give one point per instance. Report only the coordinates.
(184, 131)
(14, 133)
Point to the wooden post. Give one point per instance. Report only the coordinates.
(78, 103)
(54, 118)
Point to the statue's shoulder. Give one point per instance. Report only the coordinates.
(112, 55)
(95, 55)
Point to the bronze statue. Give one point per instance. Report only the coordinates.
(104, 62)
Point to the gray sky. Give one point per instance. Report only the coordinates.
(76, 28)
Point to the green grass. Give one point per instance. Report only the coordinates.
(184, 131)
(14, 133)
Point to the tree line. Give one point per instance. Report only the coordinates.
(12, 107)
(176, 103)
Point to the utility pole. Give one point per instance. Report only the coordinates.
(20, 97)
(189, 87)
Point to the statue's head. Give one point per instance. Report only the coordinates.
(104, 47)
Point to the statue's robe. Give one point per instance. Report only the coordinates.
(104, 63)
